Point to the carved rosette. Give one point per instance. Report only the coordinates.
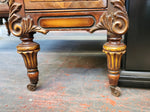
(18, 25)
(115, 20)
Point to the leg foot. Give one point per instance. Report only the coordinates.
(33, 76)
(115, 91)
(31, 87)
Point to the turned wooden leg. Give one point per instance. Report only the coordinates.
(114, 50)
(29, 49)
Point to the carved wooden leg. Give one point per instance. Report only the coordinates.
(29, 49)
(114, 50)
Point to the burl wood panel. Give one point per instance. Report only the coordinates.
(64, 4)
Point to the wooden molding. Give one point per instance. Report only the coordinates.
(21, 25)
(62, 22)
(134, 79)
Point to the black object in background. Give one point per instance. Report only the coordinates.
(138, 36)
(137, 59)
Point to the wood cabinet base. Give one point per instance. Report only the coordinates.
(29, 16)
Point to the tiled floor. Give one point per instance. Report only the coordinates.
(72, 79)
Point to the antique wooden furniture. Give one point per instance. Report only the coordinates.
(29, 16)
(3, 10)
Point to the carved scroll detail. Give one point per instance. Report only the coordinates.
(18, 25)
(116, 20)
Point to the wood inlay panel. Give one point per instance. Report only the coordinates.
(66, 22)
(65, 4)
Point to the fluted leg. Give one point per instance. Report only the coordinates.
(114, 50)
(29, 49)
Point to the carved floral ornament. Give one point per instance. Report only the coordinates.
(116, 22)
(18, 25)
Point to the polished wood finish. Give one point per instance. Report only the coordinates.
(29, 16)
